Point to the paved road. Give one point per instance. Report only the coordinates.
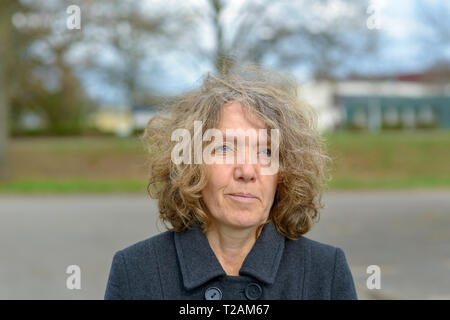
(407, 234)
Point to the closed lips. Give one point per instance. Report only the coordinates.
(244, 195)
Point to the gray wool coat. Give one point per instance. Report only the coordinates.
(182, 266)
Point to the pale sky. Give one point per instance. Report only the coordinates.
(399, 28)
(399, 51)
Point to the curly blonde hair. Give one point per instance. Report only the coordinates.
(273, 98)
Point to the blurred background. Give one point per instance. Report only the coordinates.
(80, 79)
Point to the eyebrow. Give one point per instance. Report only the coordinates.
(228, 137)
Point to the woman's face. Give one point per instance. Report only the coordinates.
(236, 194)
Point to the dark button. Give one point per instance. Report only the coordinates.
(213, 293)
(253, 291)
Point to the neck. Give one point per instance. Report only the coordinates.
(231, 246)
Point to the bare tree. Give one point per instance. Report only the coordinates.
(7, 50)
(134, 36)
(4, 170)
(322, 35)
(39, 40)
(117, 39)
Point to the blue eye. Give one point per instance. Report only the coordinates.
(267, 152)
(222, 148)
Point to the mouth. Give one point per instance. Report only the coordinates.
(243, 197)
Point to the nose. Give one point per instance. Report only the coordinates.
(247, 171)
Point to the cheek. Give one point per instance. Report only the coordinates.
(218, 179)
(270, 184)
(219, 175)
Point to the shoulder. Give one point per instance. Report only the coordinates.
(320, 256)
(135, 270)
(148, 254)
(314, 249)
(143, 253)
(146, 247)
(328, 273)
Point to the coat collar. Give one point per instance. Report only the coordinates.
(199, 264)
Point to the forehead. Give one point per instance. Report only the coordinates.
(234, 115)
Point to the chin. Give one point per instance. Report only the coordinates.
(245, 222)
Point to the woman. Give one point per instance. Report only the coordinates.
(236, 206)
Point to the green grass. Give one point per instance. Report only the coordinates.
(386, 160)
(426, 182)
(38, 186)
(61, 145)
(390, 155)
(73, 186)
